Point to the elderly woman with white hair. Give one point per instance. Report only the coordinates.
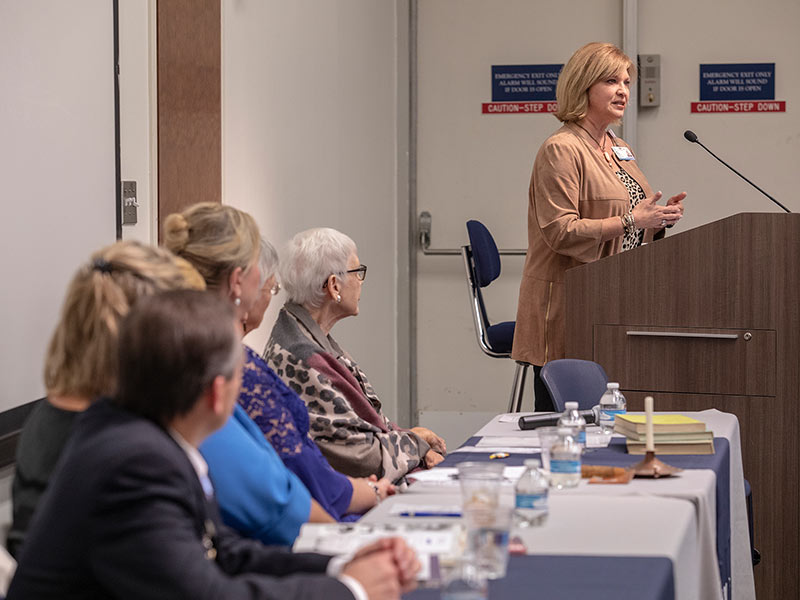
(322, 275)
(269, 426)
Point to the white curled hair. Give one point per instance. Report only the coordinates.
(311, 257)
(267, 261)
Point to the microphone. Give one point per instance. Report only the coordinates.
(551, 419)
(692, 137)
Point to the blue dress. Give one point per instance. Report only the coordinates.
(257, 495)
(283, 418)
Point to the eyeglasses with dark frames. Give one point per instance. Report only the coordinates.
(360, 271)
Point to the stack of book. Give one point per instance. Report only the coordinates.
(672, 434)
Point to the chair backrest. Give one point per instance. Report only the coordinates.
(484, 253)
(483, 267)
(573, 380)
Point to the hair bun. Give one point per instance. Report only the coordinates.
(176, 232)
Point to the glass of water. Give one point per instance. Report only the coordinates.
(480, 483)
(488, 529)
(463, 582)
(547, 437)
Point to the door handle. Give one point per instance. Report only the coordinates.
(684, 334)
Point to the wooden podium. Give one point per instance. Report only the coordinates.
(710, 318)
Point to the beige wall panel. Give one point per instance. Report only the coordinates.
(309, 140)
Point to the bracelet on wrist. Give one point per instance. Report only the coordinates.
(628, 222)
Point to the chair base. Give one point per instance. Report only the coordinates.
(518, 388)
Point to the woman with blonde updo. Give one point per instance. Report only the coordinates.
(223, 244)
(81, 363)
(245, 458)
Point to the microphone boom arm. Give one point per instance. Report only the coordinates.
(693, 138)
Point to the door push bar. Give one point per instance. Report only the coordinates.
(424, 228)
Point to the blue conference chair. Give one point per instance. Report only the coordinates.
(482, 263)
(573, 380)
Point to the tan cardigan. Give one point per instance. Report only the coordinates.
(572, 189)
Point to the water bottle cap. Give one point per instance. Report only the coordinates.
(532, 463)
(571, 405)
(612, 385)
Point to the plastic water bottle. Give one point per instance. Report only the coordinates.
(572, 418)
(612, 403)
(531, 496)
(565, 460)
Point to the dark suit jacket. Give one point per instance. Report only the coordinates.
(125, 517)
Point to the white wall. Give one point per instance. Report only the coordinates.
(138, 131)
(310, 124)
(57, 169)
(764, 147)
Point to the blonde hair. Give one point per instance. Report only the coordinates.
(591, 63)
(215, 238)
(82, 355)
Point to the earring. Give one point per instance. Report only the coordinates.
(237, 301)
(338, 298)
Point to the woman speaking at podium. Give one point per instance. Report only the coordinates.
(588, 200)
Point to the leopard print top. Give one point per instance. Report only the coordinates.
(636, 195)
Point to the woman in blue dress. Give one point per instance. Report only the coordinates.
(267, 411)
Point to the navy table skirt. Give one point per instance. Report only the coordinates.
(584, 577)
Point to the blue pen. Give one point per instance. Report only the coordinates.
(430, 514)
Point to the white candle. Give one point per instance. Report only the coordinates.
(648, 412)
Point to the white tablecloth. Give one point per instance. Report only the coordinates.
(585, 525)
(723, 425)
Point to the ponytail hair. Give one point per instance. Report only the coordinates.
(82, 355)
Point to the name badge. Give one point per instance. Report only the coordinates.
(623, 153)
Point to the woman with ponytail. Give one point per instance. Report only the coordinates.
(81, 362)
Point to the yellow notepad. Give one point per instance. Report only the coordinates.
(662, 423)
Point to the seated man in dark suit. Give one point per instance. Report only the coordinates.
(130, 512)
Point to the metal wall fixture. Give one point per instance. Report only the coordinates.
(424, 224)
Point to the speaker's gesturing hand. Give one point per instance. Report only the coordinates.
(650, 215)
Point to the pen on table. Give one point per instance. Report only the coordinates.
(428, 513)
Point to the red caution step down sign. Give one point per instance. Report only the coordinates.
(740, 106)
(518, 108)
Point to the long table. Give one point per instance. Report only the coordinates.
(706, 540)
(611, 547)
(722, 512)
